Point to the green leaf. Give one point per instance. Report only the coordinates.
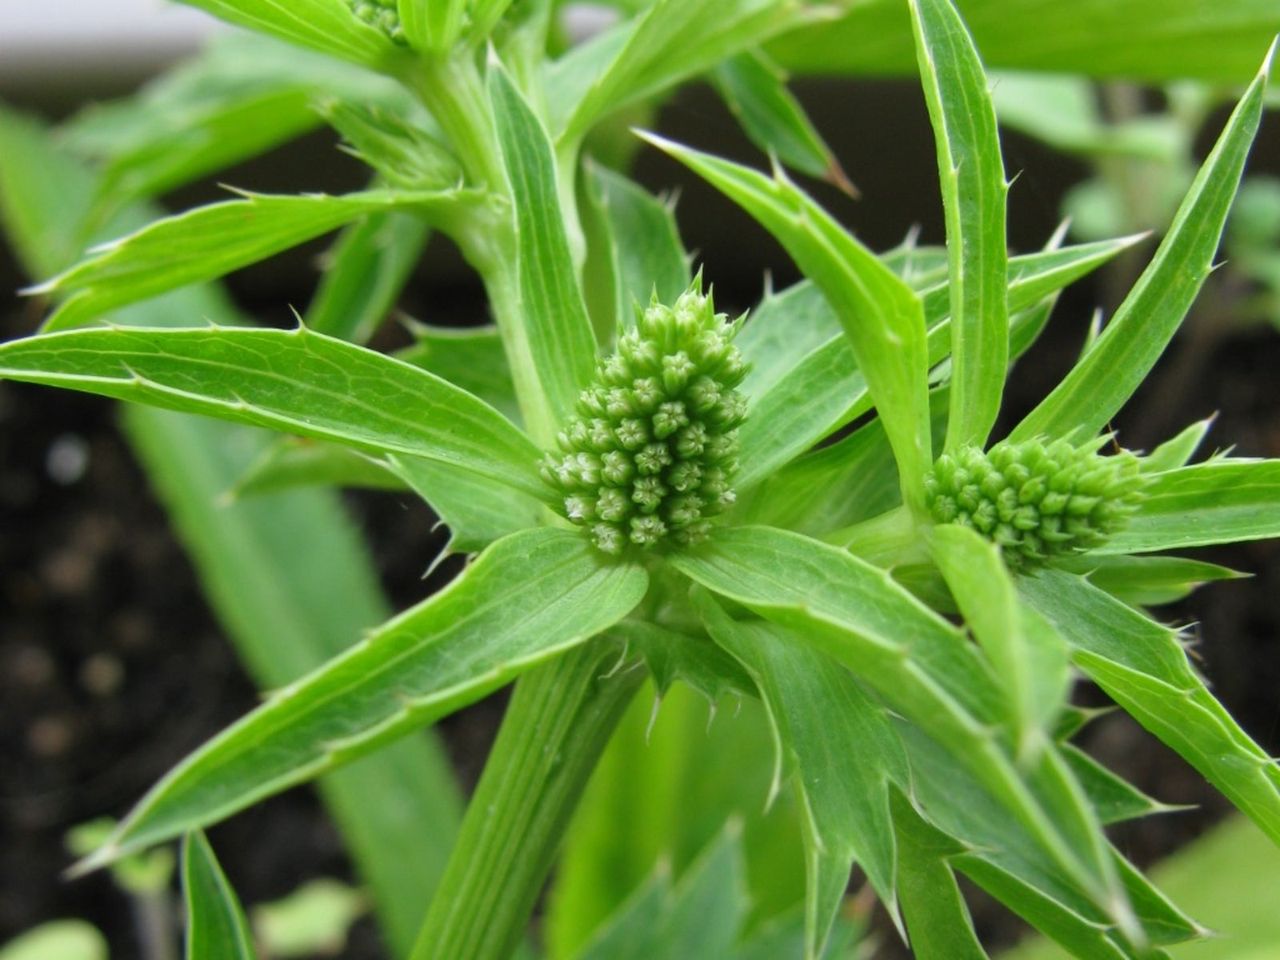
(216, 925)
(208, 242)
(1147, 40)
(241, 95)
(645, 251)
(790, 325)
(665, 44)
(1113, 799)
(292, 462)
(1004, 858)
(633, 924)
(527, 598)
(700, 916)
(553, 349)
(432, 25)
(286, 575)
(1034, 276)
(881, 316)
(1146, 581)
(937, 919)
(819, 394)
(674, 772)
(1029, 657)
(57, 940)
(784, 937)
(1142, 666)
(1089, 396)
(920, 266)
(143, 875)
(293, 586)
(973, 195)
(34, 180)
(1240, 915)
(178, 111)
(1028, 325)
(402, 152)
(325, 25)
(1222, 501)
(800, 396)
(836, 486)
(1177, 451)
(781, 331)
(755, 90)
(367, 269)
(601, 281)
(238, 97)
(179, 136)
(854, 612)
(476, 510)
(846, 482)
(671, 655)
(314, 919)
(1082, 933)
(842, 753)
(295, 381)
(469, 357)
(920, 665)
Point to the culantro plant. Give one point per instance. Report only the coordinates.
(805, 512)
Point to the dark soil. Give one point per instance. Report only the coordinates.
(112, 667)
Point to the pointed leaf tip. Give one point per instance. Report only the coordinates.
(104, 856)
(1265, 70)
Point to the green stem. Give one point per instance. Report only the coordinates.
(502, 284)
(154, 919)
(452, 88)
(559, 720)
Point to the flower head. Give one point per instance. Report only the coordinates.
(651, 452)
(1036, 500)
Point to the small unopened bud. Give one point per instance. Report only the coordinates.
(383, 15)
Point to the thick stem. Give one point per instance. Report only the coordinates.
(558, 722)
(154, 919)
(452, 88)
(502, 284)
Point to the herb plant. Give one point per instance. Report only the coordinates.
(647, 492)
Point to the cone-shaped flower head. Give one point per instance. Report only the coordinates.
(1036, 500)
(652, 450)
(382, 14)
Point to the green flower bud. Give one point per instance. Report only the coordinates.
(651, 452)
(1036, 500)
(382, 15)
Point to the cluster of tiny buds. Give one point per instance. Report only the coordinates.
(651, 452)
(1036, 500)
(382, 14)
